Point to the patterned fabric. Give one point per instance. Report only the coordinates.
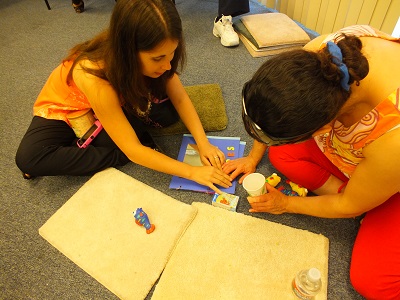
(58, 98)
(344, 145)
(360, 31)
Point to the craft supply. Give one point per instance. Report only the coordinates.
(142, 219)
(273, 179)
(287, 192)
(300, 190)
(226, 201)
(81, 121)
(254, 184)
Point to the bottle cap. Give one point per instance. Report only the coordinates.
(314, 274)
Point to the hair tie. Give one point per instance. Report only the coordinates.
(337, 59)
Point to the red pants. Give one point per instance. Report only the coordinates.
(375, 262)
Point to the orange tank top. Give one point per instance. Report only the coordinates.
(58, 98)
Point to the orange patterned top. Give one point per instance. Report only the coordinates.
(344, 145)
(58, 98)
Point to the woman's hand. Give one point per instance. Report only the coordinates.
(211, 176)
(211, 155)
(245, 165)
(273, 202)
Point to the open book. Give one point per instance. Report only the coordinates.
(231, 146)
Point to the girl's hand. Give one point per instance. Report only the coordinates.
(210, 176)
(273, 202)
(210, 155)
(245, 165)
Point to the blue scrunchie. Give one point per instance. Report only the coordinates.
(337, 57)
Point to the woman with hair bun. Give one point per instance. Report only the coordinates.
(329, 115)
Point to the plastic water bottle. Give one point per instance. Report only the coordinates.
(307, 284)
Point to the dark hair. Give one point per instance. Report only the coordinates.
(300, 91)
(136, 25)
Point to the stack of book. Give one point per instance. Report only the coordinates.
(270, 33)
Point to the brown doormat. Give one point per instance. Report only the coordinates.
(210, 106)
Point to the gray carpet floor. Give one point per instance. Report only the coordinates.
(33, 42)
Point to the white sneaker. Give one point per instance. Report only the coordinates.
(223, 29)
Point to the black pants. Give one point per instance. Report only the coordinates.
(233, 7)
(49, 146)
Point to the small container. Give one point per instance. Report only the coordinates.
(81, 121)
(226, 201)
(254, 184)
(307, 284)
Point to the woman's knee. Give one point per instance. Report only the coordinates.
(375, 262)
(291, 161)
(372, 283)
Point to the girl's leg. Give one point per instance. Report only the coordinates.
(49, 148)
(375, 263)
(163, 114)
(305, 164)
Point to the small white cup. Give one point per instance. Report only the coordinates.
(254, 184)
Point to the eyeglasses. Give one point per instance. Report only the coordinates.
(260, 135)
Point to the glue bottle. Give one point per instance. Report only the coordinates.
(307, 284)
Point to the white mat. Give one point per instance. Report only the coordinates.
(207, 252)
(226, 255)
(96, 230)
